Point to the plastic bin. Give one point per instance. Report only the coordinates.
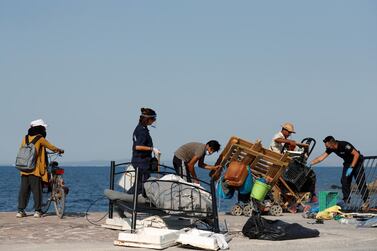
(327, 199)
(296, 174)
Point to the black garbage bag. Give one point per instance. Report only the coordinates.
(275, 230)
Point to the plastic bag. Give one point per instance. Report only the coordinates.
(259, 228)
(127, 179)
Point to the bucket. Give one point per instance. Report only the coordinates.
(259, 190)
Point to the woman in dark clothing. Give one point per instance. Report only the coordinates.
(142, 147)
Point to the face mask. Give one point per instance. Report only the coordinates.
(207, 153)
(154, 124)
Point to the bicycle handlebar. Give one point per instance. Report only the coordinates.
(54, 153)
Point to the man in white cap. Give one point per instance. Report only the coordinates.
(32, 181)
(281, 143)
(281, 139)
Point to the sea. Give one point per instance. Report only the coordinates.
(87, 183)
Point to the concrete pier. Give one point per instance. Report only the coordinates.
(74, 232)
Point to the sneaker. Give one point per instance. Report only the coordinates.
(21, 214)
(38, 214)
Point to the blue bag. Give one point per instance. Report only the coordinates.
(248, 184)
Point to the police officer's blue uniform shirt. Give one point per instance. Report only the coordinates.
(141, 137)
(344, 151)
(141, 159)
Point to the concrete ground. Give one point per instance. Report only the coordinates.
(74, 232)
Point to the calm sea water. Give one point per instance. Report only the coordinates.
(86, 186)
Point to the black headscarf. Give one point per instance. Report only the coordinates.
(38, 130)
(35, 130)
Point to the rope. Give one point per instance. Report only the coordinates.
(94, 222)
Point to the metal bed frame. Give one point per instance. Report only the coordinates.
(150, 208)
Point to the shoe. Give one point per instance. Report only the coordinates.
(38, 214)
(21, 214)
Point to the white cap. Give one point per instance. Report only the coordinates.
(38, 122)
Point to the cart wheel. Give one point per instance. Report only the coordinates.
(276, 210)
(248, 210)
(236, 210)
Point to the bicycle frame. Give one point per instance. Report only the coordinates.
(56, 189)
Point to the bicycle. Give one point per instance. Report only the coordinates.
(54, 191)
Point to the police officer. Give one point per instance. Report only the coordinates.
(352, 166)
(142, 147)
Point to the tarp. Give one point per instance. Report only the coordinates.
(329, 213)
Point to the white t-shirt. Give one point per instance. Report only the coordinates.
(277, 147)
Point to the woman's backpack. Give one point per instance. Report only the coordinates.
(27, 155)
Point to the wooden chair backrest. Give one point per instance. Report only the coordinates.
(263, 162)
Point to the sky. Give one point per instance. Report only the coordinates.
(210, 69)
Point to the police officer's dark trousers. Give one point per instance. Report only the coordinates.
(143, 164)
(30, 183)
(359, 174)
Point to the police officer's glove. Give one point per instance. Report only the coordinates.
(156, 151)
(349, 171)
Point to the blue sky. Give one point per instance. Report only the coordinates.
(211, 69)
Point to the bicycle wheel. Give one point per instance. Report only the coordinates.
(46, 199)
(59, 199)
